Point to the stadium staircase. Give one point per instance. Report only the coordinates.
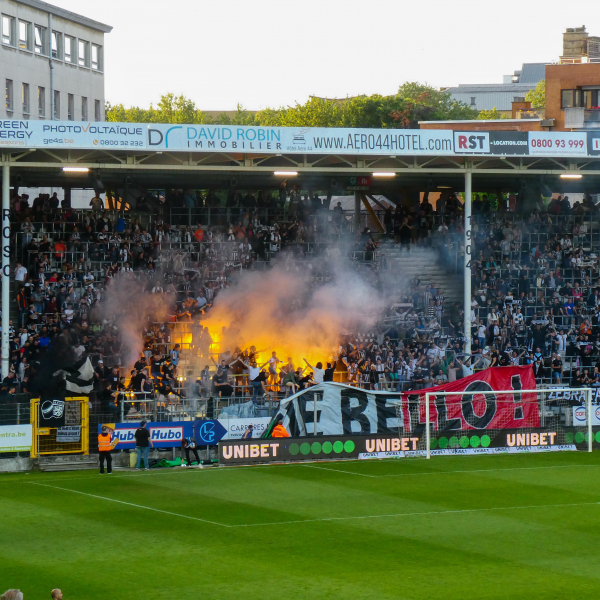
(67, 462)
(426, 265)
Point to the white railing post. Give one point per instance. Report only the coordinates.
(427, 432)
(588, 409)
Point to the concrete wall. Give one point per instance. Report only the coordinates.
(26, 66)
(567, 77)
(15, 465)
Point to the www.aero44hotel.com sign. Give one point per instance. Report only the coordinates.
(300, 140)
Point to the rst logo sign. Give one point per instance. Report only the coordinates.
(471, 142)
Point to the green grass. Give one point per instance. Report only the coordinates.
(524, 526)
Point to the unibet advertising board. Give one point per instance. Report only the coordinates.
(507, 441)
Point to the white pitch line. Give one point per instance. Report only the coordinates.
(233, 468)
(339, 471)
(120, 475)
(415, 514)
(166, 512)
(485, 470)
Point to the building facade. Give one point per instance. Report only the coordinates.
(573, 95)
(488, 96)
(51, 63)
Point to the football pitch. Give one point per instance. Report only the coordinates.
(505, 526)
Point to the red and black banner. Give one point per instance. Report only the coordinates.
(344, 410)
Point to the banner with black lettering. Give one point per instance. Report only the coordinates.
(345, 410)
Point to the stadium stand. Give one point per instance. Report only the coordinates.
(536, 292)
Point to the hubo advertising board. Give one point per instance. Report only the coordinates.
(163, 435)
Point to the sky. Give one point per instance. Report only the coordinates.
(272, 53)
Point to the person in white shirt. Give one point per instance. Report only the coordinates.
(561, 341)
(20, 275)
(481, 334)
(318, 371)
(273, 368)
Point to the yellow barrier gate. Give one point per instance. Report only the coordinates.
(72, 438)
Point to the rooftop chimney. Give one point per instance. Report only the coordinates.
(575, 42)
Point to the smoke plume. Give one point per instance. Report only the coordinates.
(127, 305)
(293, 311)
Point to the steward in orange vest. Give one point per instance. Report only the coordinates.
(279, 431)
(105, 445)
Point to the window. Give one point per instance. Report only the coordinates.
(56, 44)
(8, 27)
(40, 39)
(97, 115)
(570, 98)
(9, 95)
(41, 102)
(591, 98)
(56, 105)
(69, 43)
(71, 107)
(84, 112)
(25, 98)
(83, 54)
(472, 100)
(96, 57)
(24, 35)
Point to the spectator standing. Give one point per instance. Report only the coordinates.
(20, 275)
(143, 443)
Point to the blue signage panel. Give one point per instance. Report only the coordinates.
(208, 432)
(163, 435)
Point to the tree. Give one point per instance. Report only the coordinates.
(537, 96)
(414, 102)
(488, 115)
(170, 109)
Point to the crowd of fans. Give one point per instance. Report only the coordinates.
(535, 279)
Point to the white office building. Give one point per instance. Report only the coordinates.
(51, 63)
(500, 95)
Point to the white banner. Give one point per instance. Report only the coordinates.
(72, 135)
(15, 438)
(236, 428)
(580, 415)
(224, 138)
(467, 451)
(559, 143)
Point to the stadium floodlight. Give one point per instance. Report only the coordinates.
(76, 170)
(384, 174)
(286, 173)
(571, 176)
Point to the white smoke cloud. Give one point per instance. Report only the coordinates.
(282, 309)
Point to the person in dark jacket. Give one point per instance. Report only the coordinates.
(188, 444)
